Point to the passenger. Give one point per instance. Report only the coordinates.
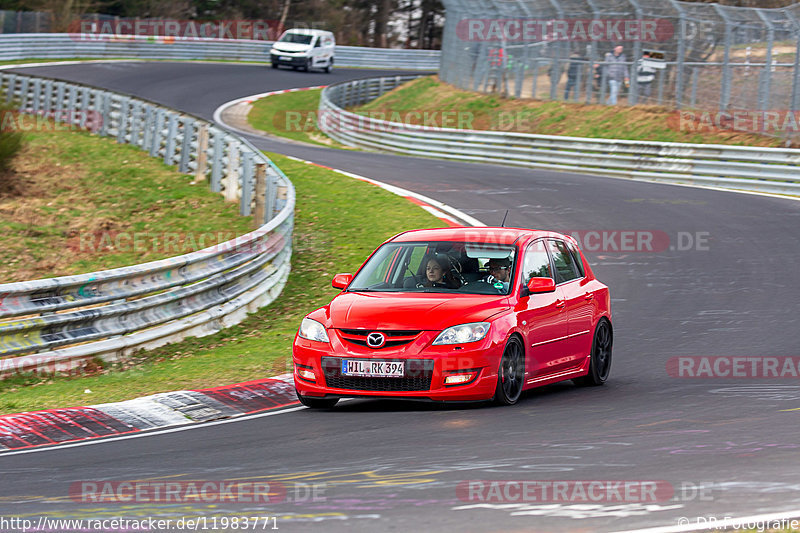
(437, 273)
(499, 273)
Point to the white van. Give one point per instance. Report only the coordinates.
(304, 49)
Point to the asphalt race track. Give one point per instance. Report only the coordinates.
(719, 282)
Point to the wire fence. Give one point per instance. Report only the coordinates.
(736, 62)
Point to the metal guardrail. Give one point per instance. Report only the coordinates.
(114, 312)
(73, 45)
(769, 170)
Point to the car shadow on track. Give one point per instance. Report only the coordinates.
(556, 391)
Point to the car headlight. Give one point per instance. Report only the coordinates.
(313, 331)
(463, 333)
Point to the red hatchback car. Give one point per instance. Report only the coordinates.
(459, 314)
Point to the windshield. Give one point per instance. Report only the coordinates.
(298, 38)
(458, 267)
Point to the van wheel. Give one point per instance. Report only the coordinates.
(274, 65)
(307, 67)
(329, 67)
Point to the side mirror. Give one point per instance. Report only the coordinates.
(540, 285)
(341, 281)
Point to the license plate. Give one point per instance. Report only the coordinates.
(284, 58)
(372, 369)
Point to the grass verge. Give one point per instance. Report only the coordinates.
(428, 101)
(83, 203)
(330, 236)
(447, 106)
(292, 116)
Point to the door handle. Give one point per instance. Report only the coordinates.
(589, 296)
(560, 303)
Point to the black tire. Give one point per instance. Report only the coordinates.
(511, 374)
(274, 65)
(316, 403)
(600, 365)
(307, 66)
(329, 67)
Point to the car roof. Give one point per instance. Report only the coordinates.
(482, 234)
(308, 31)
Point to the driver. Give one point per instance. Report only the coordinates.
(499, 273)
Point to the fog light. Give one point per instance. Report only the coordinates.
(458, 379)
(305, 373)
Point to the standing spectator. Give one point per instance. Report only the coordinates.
(597, 82)
(617, 73)
(572, 75)
(645, 74)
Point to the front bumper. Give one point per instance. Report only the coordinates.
(288, 60)
(425, 370)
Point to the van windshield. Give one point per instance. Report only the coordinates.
(298, 38)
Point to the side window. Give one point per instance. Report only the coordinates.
(536, 263)
(317, 42)
(565, 266)
(576, 256)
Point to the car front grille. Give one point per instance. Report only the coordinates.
(394, 338)
(418, 375)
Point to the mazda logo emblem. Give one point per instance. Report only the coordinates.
(376, 340)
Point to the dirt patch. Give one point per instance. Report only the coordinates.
(80, 201)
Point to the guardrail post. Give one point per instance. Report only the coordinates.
(47, 100)
(260, 213)
(12, 82)
(271, 194)
(158, 124)
(247, 183)
(23, 93)
(37, 99)
(232, 174)
(136, 120)
(172, 132)
(124, 103)
(71, 109)
(105, 103)
(186, 145)
(85, 106)
(202, 153)
(216, 160)
(59, 103)
(147, 132)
